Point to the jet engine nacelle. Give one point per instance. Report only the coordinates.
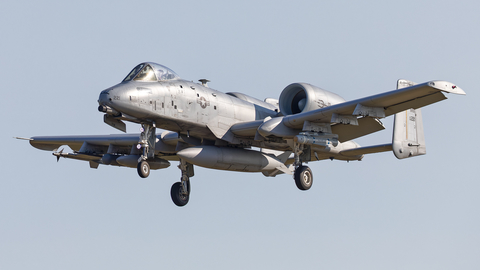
(304, 97)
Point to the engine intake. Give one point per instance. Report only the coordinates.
(304, 97)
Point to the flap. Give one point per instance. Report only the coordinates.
(365, 126)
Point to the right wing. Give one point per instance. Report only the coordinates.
(102, 142)
(117, 150)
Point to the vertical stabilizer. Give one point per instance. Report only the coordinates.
(408, 135)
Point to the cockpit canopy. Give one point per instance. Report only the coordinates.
(151, 72)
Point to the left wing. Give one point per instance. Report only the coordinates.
(358, 117)
(378, 106)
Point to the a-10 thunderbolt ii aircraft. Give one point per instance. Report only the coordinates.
(217, 130)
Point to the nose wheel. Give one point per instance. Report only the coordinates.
(180, 191)
(179, 197)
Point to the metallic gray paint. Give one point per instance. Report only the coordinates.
(215, 130)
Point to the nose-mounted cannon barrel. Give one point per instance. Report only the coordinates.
(108, 110)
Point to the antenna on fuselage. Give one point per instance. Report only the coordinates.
(204, 82)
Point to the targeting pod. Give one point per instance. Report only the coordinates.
(325, 140)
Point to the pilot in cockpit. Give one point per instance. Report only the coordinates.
(151, 72)
(147, 74)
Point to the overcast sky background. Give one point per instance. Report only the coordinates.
(380, 213)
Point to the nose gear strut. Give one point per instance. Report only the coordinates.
(180, 191)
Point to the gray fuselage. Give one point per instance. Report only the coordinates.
(184, 107)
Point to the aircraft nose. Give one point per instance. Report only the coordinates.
(104, 98)
(105, 103)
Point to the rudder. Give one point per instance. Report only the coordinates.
(408, 135)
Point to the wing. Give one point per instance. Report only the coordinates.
(116, 150)
(377, 106)
(327, 131)
(101, 142)
(352, 119)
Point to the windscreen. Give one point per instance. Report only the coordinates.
(147, 74)
(132, 73)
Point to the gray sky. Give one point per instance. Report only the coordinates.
(380, 213)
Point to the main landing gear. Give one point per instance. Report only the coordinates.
(147, 143)
(143, 169)
(303, 175)
(303, 178)
(180, 191)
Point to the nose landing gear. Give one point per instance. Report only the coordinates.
(179, 198)
(180, 191)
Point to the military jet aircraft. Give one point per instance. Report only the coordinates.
(236, 132)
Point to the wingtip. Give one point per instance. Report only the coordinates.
(22, 138)
(447, 87)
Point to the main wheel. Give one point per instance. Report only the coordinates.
(178, 198)
(143, 169)
(303, 178)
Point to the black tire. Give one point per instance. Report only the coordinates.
(178, 198)
(143, 169)
(303, 178)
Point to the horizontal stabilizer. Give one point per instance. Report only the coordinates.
(367, 150)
